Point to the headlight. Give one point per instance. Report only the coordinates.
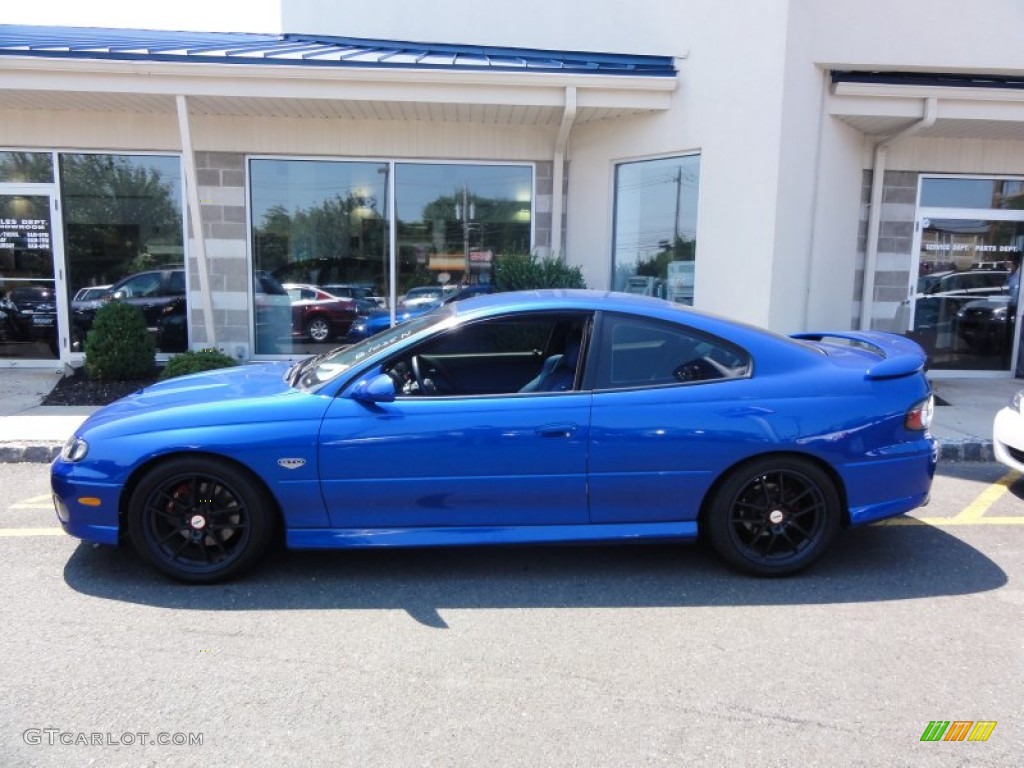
(74, 449)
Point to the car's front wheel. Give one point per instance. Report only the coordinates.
(774, 516)
(318, 329)
(200, 520)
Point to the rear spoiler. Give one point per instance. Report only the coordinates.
(900, 356)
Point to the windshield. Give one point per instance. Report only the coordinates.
(317, 370)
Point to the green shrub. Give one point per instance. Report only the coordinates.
(525, 272)
(119, 347)
(194, 362)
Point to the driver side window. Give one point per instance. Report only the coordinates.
(498, 356)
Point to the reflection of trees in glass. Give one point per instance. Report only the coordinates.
(681, 249)
(121, 215)
(26, 167)
(445, 228)
(492, 225)
(350, 229)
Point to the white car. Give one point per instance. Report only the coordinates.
(1008, 434)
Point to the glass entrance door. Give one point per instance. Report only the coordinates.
(29, 324)
(962, 305)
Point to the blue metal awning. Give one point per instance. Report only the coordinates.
(312, 51)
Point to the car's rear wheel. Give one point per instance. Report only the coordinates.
(318, 329)
(774, 516)
(199, 520)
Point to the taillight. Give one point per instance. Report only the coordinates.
(919, 415)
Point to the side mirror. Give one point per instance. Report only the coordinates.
(379, 389)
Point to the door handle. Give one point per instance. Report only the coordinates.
(557, 430)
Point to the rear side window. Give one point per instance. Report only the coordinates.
(636, 352)
(177, 282)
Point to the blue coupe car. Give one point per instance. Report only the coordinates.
(550, 416)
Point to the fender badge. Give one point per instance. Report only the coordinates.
(291, 463)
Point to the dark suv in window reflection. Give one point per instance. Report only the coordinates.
(29, 313)
(155, 292)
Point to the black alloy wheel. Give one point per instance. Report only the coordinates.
(775, 516)
(199, 520)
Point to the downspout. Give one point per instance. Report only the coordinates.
(192, 193)
(558, 180)
(867, 299)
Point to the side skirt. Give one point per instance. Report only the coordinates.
(340, 538)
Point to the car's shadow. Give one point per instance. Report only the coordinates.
(865, 565)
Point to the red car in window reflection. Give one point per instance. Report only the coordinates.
(319, 315)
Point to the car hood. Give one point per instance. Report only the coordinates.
(224, 395)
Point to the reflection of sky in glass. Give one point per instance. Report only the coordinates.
(299, 185)
(305, 184)
(956, 193)
(419, 184)
(973, 193)
(646, 197)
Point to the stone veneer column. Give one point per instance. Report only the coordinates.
(895, 248)
(221, 181)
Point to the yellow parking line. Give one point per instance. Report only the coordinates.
(977, 508)
(10, 533)
(973, 513)
(944, 522)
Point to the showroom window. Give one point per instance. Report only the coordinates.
(655, 227)
(318, 223)
(26, 167)
(123, 228)
(454, 220)
(326, 224)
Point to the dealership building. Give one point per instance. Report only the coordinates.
(797, 164)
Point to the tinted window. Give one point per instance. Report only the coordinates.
(538, 354)
(637, 352)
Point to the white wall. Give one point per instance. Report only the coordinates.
(639, 26)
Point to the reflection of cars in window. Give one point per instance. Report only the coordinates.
(985, 325)
(156, 292)
(940, 296)
(90, 293)
(364, 296)
(319, 315)
(30, 314)
(426, 296)
(657, 423)
(374, 322)
(273, 318)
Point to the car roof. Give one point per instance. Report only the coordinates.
(588, 300)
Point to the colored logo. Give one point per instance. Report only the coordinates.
(958, 730)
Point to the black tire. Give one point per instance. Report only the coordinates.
(318, 328)
(774, 516)
(200, 520)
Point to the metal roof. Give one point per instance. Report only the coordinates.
(311, 51)
(928, 79)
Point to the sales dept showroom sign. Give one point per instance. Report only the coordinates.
(24, 234)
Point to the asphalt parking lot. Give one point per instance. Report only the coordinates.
(645, 655)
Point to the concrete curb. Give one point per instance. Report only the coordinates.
(28, 453)
(43, 453)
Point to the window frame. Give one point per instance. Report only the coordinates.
(603, 323)
(586, 318)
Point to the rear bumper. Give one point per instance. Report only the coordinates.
(891, 486)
